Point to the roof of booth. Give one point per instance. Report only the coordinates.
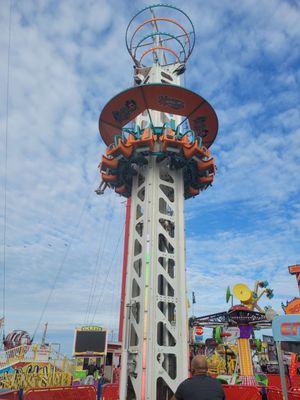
(127, 105)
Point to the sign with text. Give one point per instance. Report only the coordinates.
(90, 341)
(286, 328)
(231, 334)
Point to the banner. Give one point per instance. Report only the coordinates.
(286, 328)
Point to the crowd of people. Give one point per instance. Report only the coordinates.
(200, 386)
(95, 373)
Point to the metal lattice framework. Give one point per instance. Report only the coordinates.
(233, 318)
(255, 318)
(158, 161)
(211, 320)
(155, 283)
(176, 36)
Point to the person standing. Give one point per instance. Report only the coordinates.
(200, 386)
(91, 369)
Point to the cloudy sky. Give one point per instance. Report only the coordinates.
(63, 243)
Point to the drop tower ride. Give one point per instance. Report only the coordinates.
(158, 136)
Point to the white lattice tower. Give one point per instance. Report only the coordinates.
(158, 162)
(154, 358)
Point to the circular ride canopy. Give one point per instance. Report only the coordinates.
(170, 99)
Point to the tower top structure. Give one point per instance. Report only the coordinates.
(165, 40)
(158, 117)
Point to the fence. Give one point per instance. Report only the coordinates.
(11, 395)
(294, 394)
(275, 382)
(62, 393)
(110, 391)
(276, 394)
(234, 392)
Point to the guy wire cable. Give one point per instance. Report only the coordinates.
(98, 266)
(116, 286)
(62, 264)
(107, 274)
(5, 167)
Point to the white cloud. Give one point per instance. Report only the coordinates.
(67, 60)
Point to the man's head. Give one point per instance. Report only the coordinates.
(199, 365)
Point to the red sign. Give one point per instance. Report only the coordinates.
(290, 328)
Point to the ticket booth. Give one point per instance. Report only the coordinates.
(90, 347)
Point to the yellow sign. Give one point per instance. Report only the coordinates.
(30, 375)
(90, 328)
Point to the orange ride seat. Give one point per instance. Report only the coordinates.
(191, 150)
(108, 163)
(206, 165)
(146, 141)
(170, 142)
(192, 191)
(126, 149)
(205, 180)
(201, 152)
(121, 149)
(109, 178)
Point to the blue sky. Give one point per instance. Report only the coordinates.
(68, 58)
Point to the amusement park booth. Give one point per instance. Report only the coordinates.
(90, 347)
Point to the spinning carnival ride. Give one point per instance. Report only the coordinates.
(26, 365)
(240, 321)
(15, 339)
(158, 136)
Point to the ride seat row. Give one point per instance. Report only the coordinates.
(171, 142)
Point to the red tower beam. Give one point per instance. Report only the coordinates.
(124, 269)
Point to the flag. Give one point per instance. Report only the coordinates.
(194, 298)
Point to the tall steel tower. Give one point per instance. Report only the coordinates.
(158, 134)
